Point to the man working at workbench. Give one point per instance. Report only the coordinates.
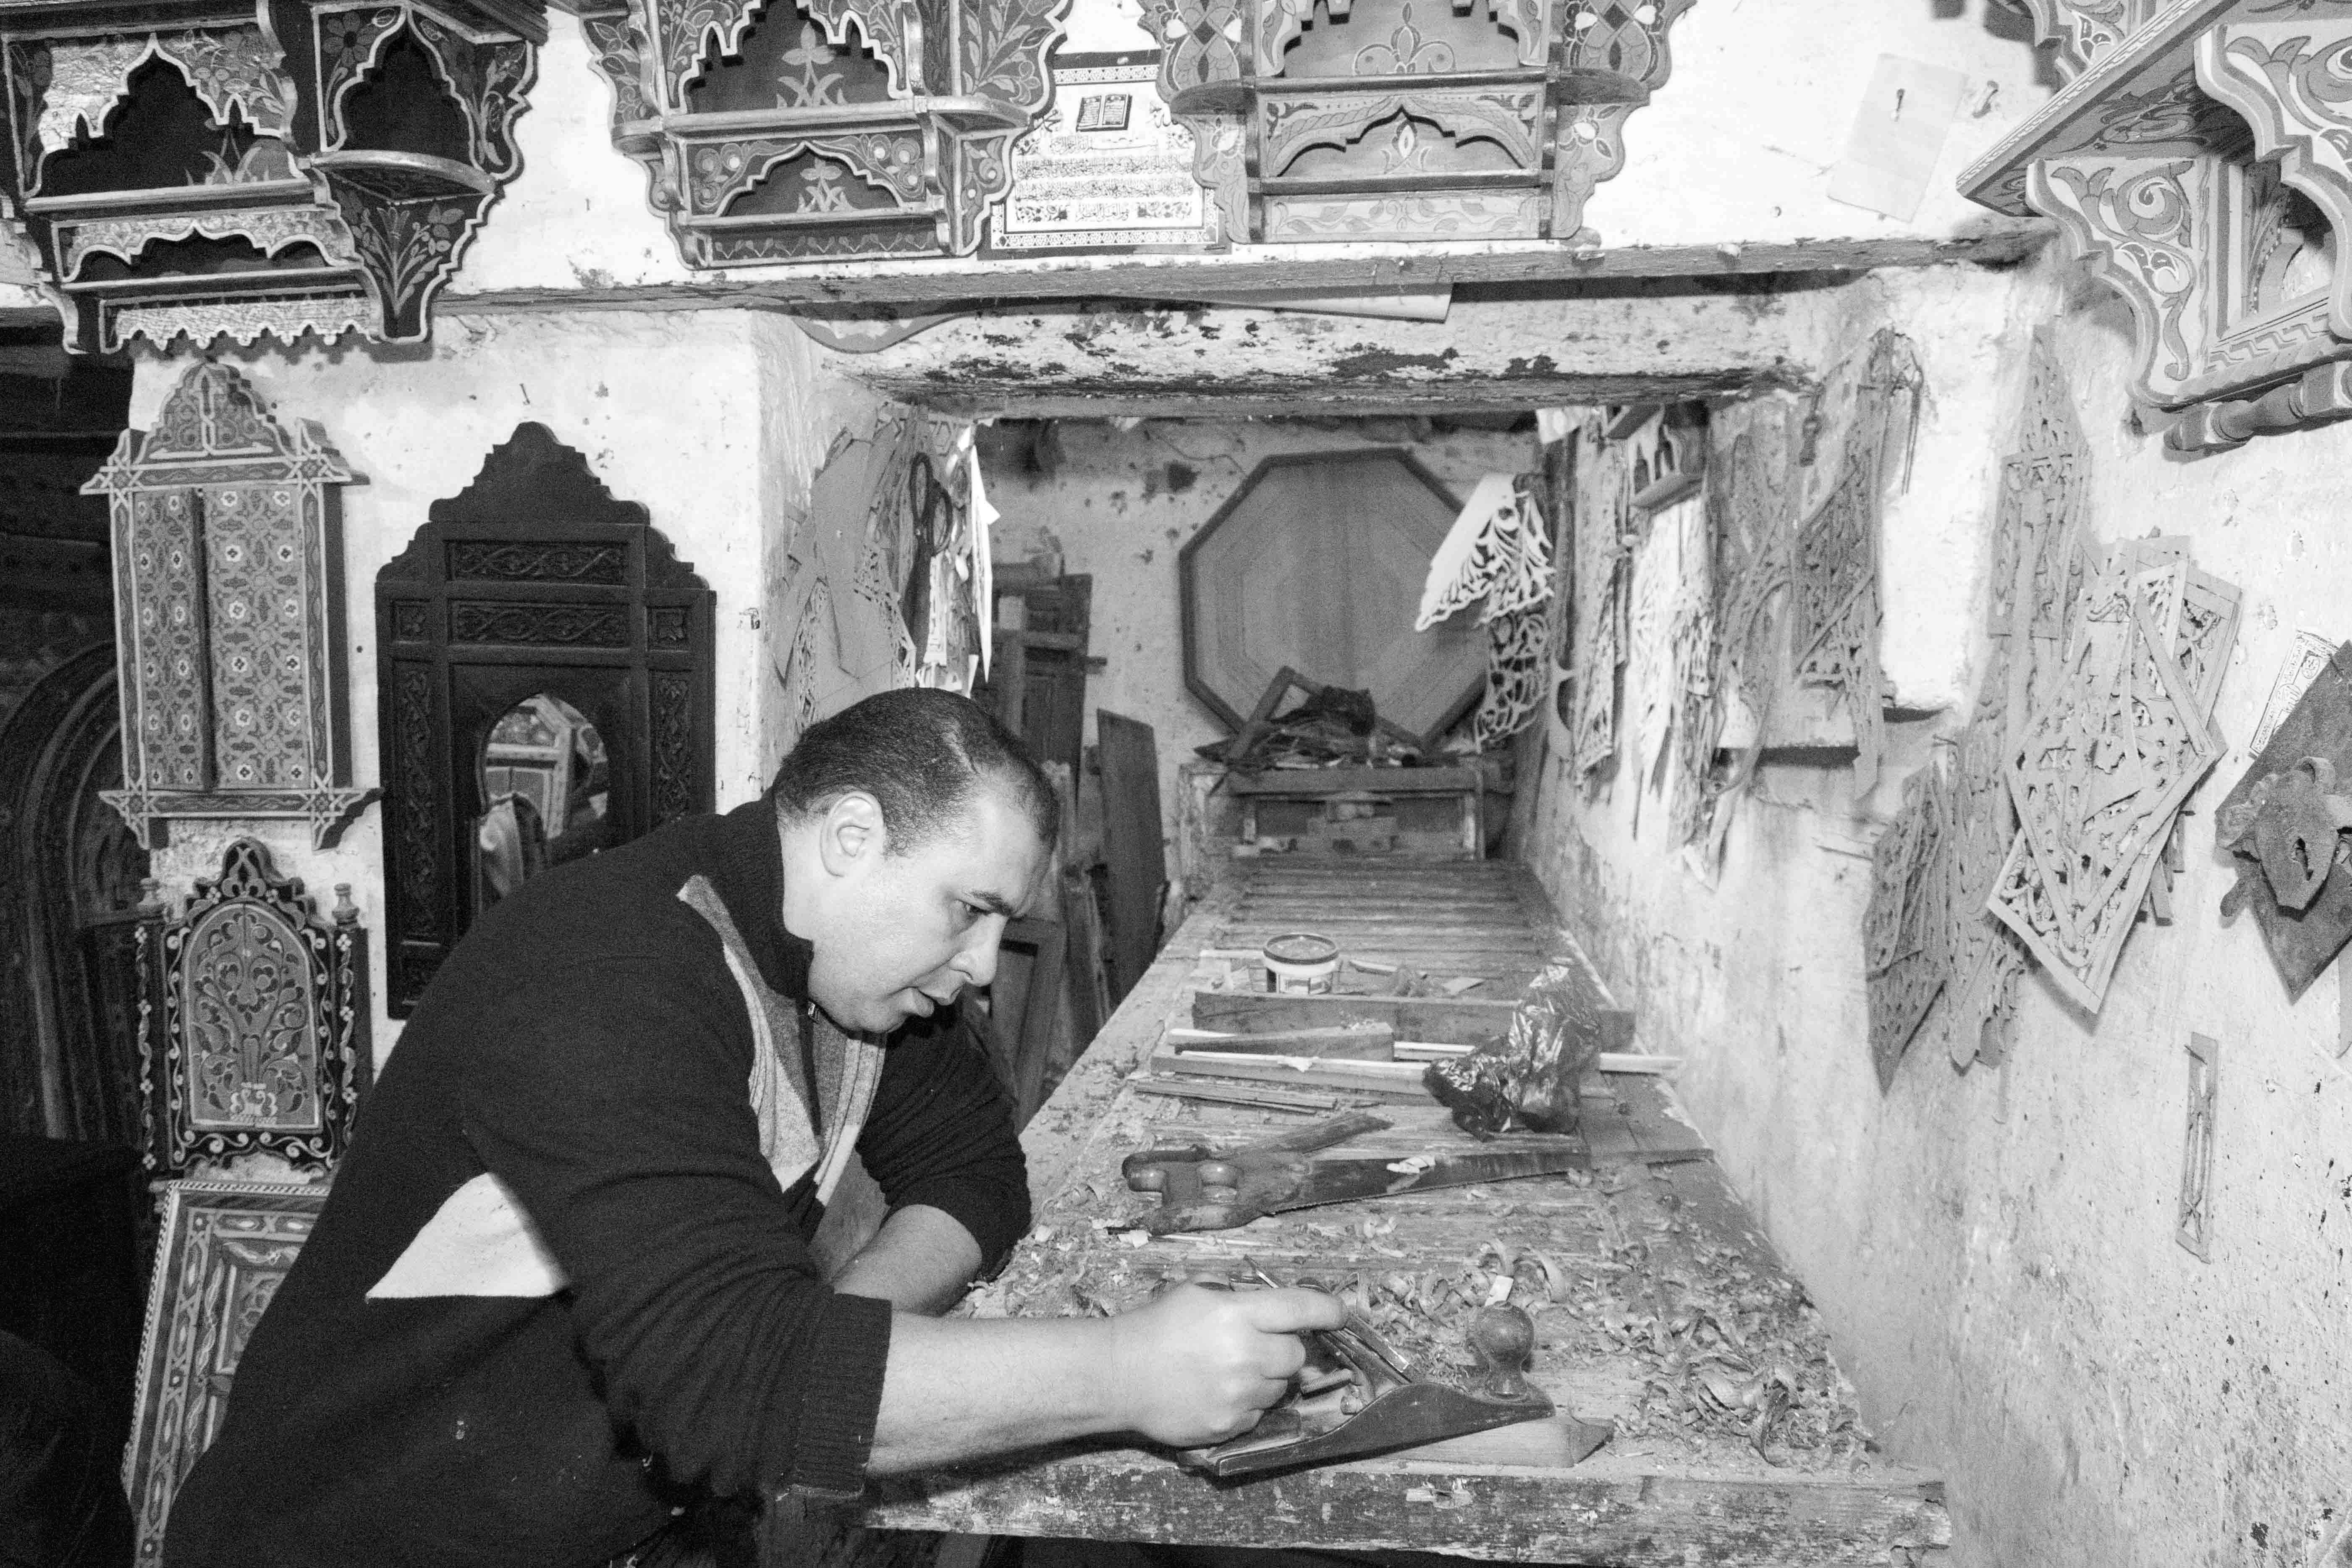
(563, 1284)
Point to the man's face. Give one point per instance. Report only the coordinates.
(901, 934)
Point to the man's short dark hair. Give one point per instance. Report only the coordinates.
(922, 754)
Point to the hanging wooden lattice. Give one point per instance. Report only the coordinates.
(1601, 588)
(2107, 759)
(1497, 551)
(1907, 936)
(1835, 607)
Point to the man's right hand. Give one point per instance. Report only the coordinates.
(1198, 1366)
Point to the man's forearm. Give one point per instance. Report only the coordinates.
(958, 1389)
(1194, 1366)
(922, 1260)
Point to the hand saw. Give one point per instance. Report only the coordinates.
(1205, 1189)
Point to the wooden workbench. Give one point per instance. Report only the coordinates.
(1649, 1283)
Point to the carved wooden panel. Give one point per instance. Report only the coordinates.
(2201, 159)
(2109, 755)
(534, 582)
(253, 1033)
(227, 554)
(225, 1247)
(819, 130)
(196, 168)
(1378, 119)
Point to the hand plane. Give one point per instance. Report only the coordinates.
(1203, 1189)
(1356, 1396)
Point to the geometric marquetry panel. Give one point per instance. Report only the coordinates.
(228, 615)
(1316, 562)
(225, 1247)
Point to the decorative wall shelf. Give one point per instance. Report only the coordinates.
(2201, 157)
(826, 131)
(209, 168)
(228, 615)
(1376, 119)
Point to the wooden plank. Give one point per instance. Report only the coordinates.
(1608, 1512)
(1448, 1021)
(1381, 268)
(1301, 784)
(1132, 845)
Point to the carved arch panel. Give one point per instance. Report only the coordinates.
(533, 583)
(253, 1034)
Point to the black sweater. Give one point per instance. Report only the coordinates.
(587, 1046)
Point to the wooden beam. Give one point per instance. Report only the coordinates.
(950, 285)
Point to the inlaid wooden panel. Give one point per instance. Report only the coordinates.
(1316, 562)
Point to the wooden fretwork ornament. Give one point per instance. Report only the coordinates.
(207, 169)
(824, 131)
(1414, 121)
(1835, 605)
(253, 1022)
(1906, 943)
(2108, 756)
(1603, 588)
(2195, 1229)
(229, 618)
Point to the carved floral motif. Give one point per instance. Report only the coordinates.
(250, 1041)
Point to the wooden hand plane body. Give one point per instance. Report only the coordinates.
(1356, 1396)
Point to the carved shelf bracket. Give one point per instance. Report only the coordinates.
(2200, 158)
(1420, 121)
(204, 169)
(228, 612)
(799, 131)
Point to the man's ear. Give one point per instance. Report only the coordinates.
(852, 835)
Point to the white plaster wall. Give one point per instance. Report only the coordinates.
(1740, 143)
(1995, 1251)
(576, 218)
(1123, 503)
(714, 421)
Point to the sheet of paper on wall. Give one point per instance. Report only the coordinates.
(1108, 168)
(1897, 137)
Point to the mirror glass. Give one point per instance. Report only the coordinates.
(546, 793)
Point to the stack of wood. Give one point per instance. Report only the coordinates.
(1063, 969)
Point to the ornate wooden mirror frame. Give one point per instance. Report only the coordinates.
(534, 582)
